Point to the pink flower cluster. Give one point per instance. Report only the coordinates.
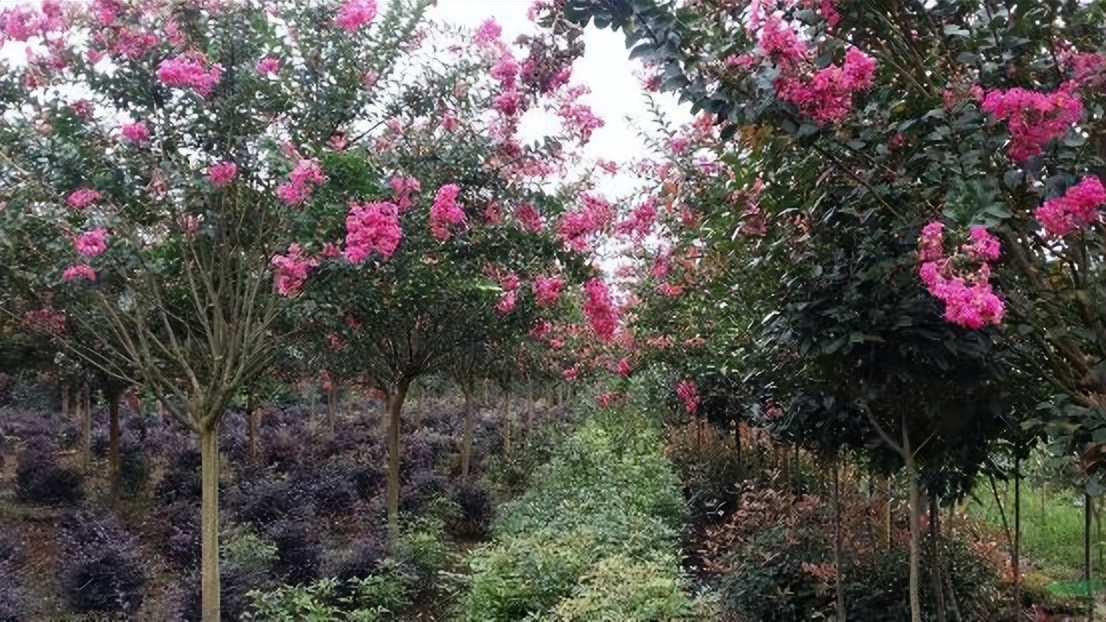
(445, 211)
(489, 32)
(187, 71)
(510, 284)
(969, 300)
(640, 221)
(580, 120)
(574, 228)
(599, 309)
(79, 271)
(1076, 209)
(290, 270)
(22, 21)
(529, 218)
(827, 96)
(82, 198)
(137, 133)
(133, 44)
(403, 189)
(354, 14)
(689, 393)
(301, 182)
(547, 290)
(781, 44)
(1034, 119)
(91, 243)
(267, 66)
(222, 173)
(372, 227)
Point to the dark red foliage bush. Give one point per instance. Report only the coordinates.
(40, 477)
(102, 570)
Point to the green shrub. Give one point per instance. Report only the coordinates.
(563, 550)
(367, 599)
(620, 588)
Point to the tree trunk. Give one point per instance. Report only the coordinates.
(885, 514)
(1016, 557)
(529, 408)
(935, 561)
(396, 395)
(737, 441)
(508, 430)
(915, 527)
(253, 423)
(466, 434)
(64, 400)
(115, 442)
(1087, 502)
(209, 524)
(85, 409)
(839, 581)
(331, 408)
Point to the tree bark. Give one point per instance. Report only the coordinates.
(209, 524)
(1016, 556)
(253, 422)
(915, 527)
(85, 416)
(115, 442)
(737, 441)
(396, 395)
(1087, 502)
(935, 549)
(466, 434)
(508, 430)
(331, 408)
(839, 581)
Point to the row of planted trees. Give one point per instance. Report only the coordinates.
(884, 233)
(198, 196)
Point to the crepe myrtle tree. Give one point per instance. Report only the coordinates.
(464, 235)
(171, 148)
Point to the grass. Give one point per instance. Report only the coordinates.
(1052, 531)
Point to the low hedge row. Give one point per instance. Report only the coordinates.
(596, 538)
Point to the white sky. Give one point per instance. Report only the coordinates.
(617, 96)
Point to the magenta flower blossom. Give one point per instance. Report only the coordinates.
(1034, 119)
(77, 272)
(507, 102)
(372, 227)
(222, 173)
(267, 66)
(984, 246)
(91, 243)
(301, 182)
(689, 393)
(1076, 209)
(82, 198)
(489, 32)
(187, 71)
(354, 14)
(529, 218)
(445, 211)
(290, 270)
(547, 290)
(967, 294)
(136, 133)
(599, 309)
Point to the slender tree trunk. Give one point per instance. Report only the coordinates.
(886, 513)
(1016, 557)
(466, 434)
(115, 442)
(737, 441)
(839, 581)
(1087, 503)
(86, 427)
(209, 523)
(915, 527)
(331, 408)
(253, 422)
(935, 548)
(508, 429)
(64, 400)
(396, 396)
(529, 408)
